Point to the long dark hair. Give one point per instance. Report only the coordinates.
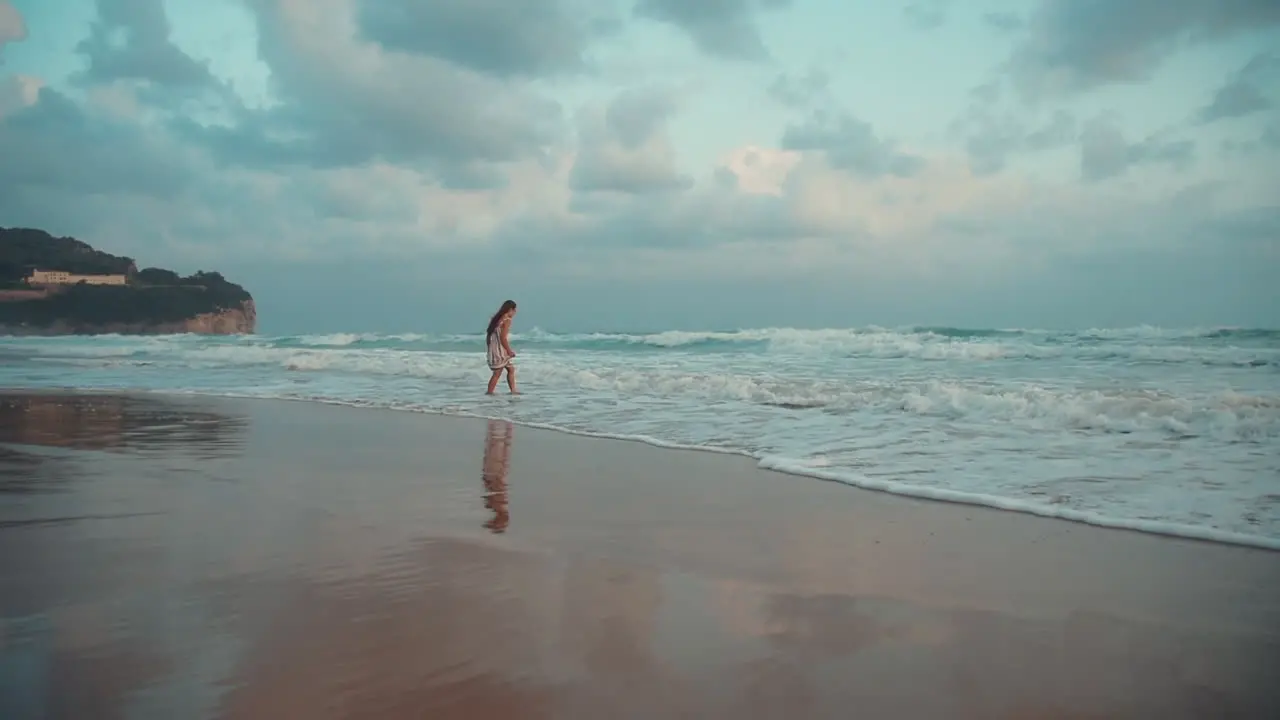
(493, 321)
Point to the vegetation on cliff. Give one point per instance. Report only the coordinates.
(153, 296)
(22, 249)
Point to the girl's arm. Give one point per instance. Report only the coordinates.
(506, 330)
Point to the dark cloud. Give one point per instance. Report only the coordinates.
(1244, 92)
(987, 93)
(607, 223)
(723, 28)
(1233, 100)
(851, 145)
(626, 149)
(1104, 152)
(927, 14)
(1003, 21)
(12, 27)
(471, 176)
(16, 92)
(1253, 228)
(800, 90)
(992, 139)
(635, 117)
(1076, 45)
(1059, 131)
(1271, 136)
(130, 41)
(74, 171)
(1265, 142)
(54, 144)
(343, 102)
(511, 39)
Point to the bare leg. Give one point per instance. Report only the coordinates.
(511, 379)
(493, 381)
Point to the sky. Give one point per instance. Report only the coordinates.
(406, 165)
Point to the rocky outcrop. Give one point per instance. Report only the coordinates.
(240, 320)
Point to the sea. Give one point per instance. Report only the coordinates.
(1157, 430)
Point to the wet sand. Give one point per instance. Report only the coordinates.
(192, 558)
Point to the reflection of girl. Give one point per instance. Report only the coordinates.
(498, 349)
(497, 457)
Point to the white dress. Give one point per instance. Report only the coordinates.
(497, 355)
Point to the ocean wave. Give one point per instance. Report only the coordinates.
(1145, 425)
(1248, 349)
(1230, 415)
(816, 387)
(1226, 347)
(837, 352)
(1157, 527)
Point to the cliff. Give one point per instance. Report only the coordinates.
(155, 300)
(239, 320)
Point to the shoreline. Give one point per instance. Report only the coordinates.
(791, 468)
(174, 555)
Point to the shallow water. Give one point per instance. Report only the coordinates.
(1162, 430)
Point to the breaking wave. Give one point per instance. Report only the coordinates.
(1156, 428)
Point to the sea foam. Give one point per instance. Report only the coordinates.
(1167, 431)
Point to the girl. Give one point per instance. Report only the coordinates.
(499, 351)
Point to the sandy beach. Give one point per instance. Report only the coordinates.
(181, 557)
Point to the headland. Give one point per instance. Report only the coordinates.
(62, 286)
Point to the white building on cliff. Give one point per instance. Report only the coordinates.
(62, 277)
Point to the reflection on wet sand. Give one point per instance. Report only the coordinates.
(117, 423)
(42, 658)
(303, 590)
(22, 472)
(36, 430)
(461, 630)
(497, 461)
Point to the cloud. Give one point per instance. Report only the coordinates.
(12, 27)
(527, 38)
(1104, 152)
(18, 92)
(758, 171)
(777, 211)
(121, 184)
(140, 189)
(987, 93)
(341, 101)
(1076, 45)
(1243, 94)
(800, 90)
(721, 28)
(54, 144)
(394, 141)
(1059, 131)
(1271, 136)
(625, 148)
(1003, 21)
(130, 40)
(927, 14)
(991, 140)
(849, 144)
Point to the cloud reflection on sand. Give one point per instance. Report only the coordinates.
(347, 568)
